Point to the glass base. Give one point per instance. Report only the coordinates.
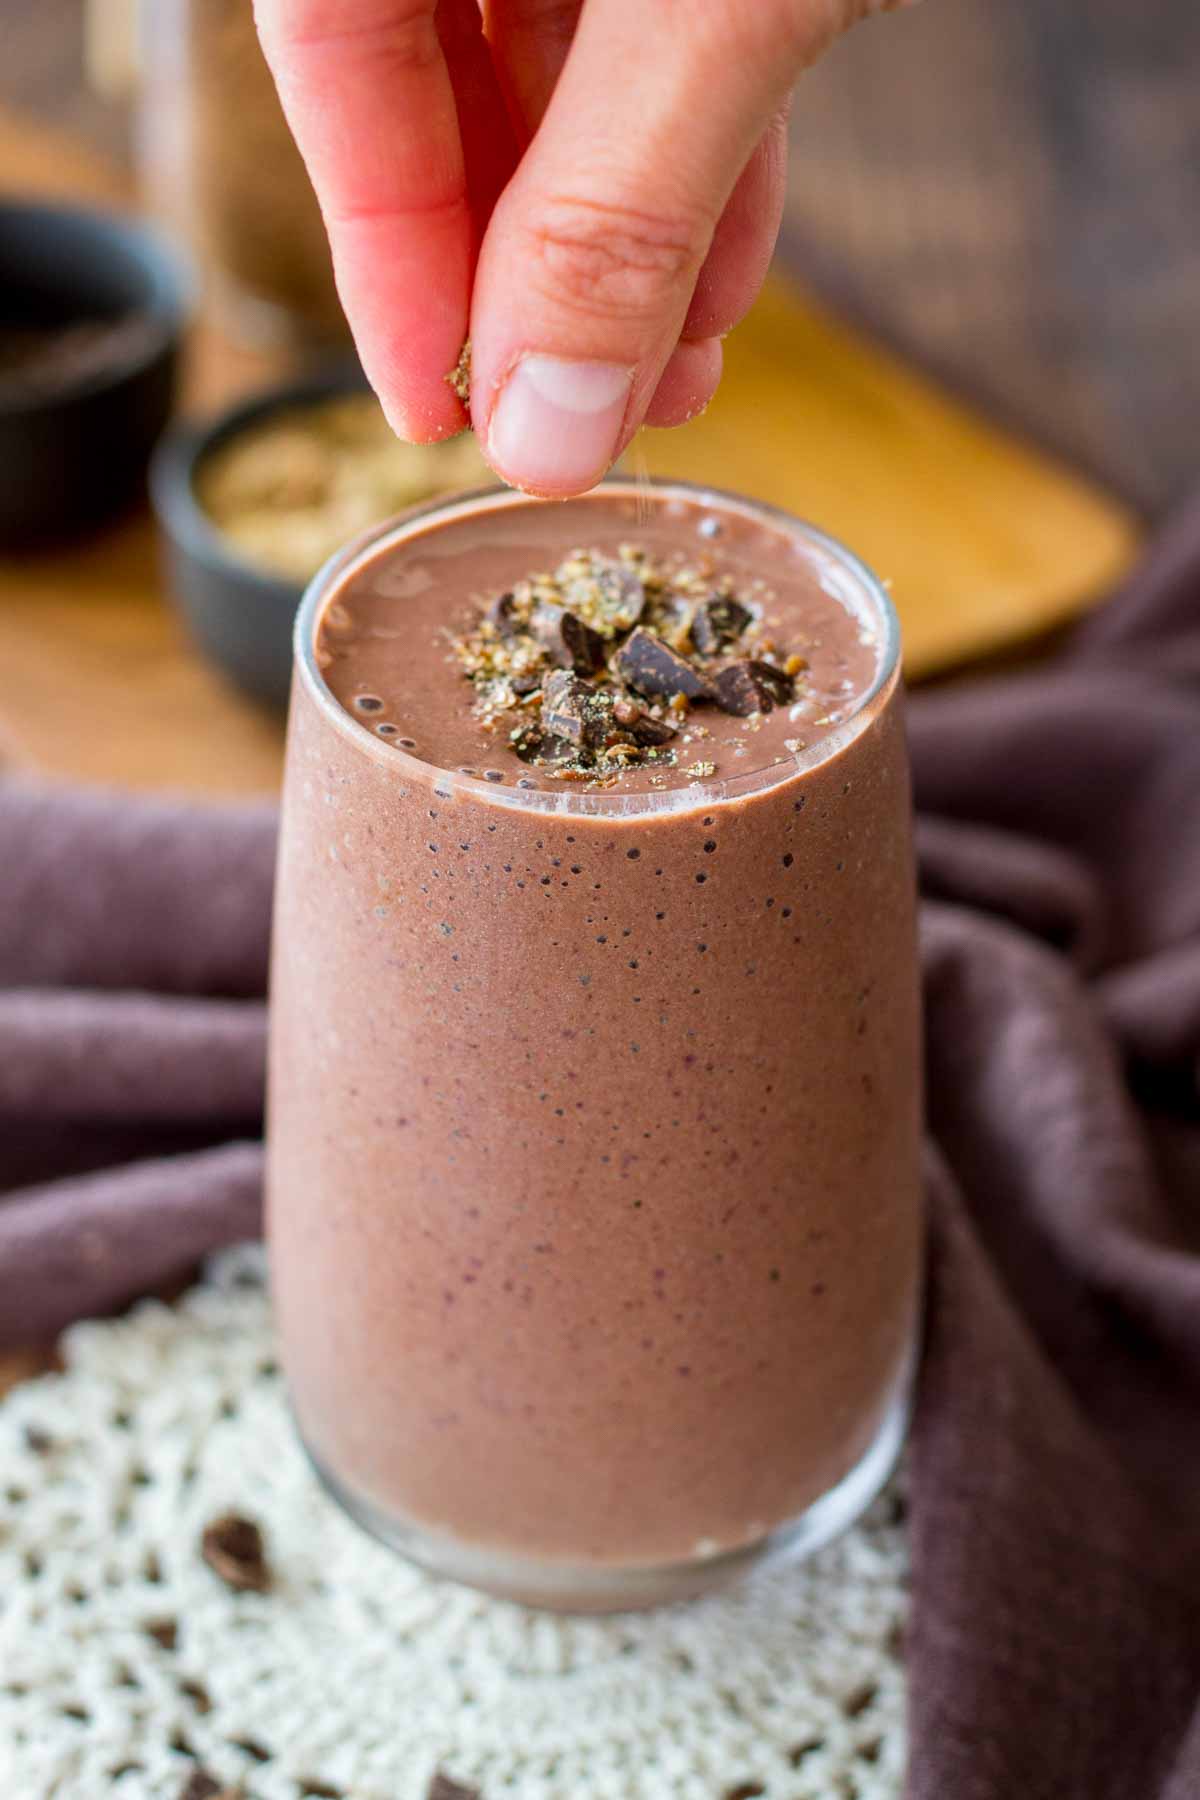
(602, 1587)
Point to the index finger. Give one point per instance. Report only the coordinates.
(369, 98)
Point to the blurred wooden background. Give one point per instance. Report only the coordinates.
(1007, 190)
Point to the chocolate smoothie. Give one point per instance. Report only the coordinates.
(594, 1199)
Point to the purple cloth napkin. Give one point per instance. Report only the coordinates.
(1055, 1638)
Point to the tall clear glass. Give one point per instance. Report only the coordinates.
(597, 1329)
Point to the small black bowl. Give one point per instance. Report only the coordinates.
(241, 616)
(101, 302)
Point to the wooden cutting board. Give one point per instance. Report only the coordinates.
(986, 541)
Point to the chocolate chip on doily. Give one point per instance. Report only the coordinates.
(443, 1788)
(233, 1549)
(163, 1631)
(200, 1785)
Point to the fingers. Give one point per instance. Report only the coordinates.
(369, 98)
(744, 240)
(530, 40)
(687, 384)
(590, 263)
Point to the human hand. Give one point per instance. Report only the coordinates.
(591, 192)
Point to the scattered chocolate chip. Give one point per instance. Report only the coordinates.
(575, 710)
(750, 686)
(569, 643)
(200, 1785)
(198, 1694)
(252, 1748)
(718, 622)
(233, 1549)
(654, 669)
(862, 1697)
(443, 1788)
(164, 1632)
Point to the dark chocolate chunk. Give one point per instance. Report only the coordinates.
(533, 745)
(653, 669)
(233, 1549)
(750, 687)
(569, 643)
(717, 622)
(634, 722)
(575, 710)
(500, 615)
(443, 1788)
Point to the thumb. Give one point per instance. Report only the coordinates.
(591, 257)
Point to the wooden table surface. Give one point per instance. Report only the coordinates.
(1007, 192)
(984, 541)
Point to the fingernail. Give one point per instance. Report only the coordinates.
(556, 427)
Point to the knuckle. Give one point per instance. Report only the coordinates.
(615, 262)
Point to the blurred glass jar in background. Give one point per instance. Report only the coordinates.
(219, 167)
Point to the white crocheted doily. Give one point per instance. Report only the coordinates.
(125, 1661)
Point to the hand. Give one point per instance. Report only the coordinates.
(591, 191)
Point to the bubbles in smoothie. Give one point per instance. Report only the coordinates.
(368, 703)
(386, 730)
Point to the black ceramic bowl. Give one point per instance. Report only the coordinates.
(240, 615)
(91, 312)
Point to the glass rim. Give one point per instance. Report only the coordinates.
(567, 800)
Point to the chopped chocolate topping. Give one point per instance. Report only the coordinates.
(646, 730)
(718, 622)
(567, 641)
(576, 710)
(610, 593)
(616, 649)
(654, 669)
(533, 745)
(501, 616)
(233, 1549)
(751, 687)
